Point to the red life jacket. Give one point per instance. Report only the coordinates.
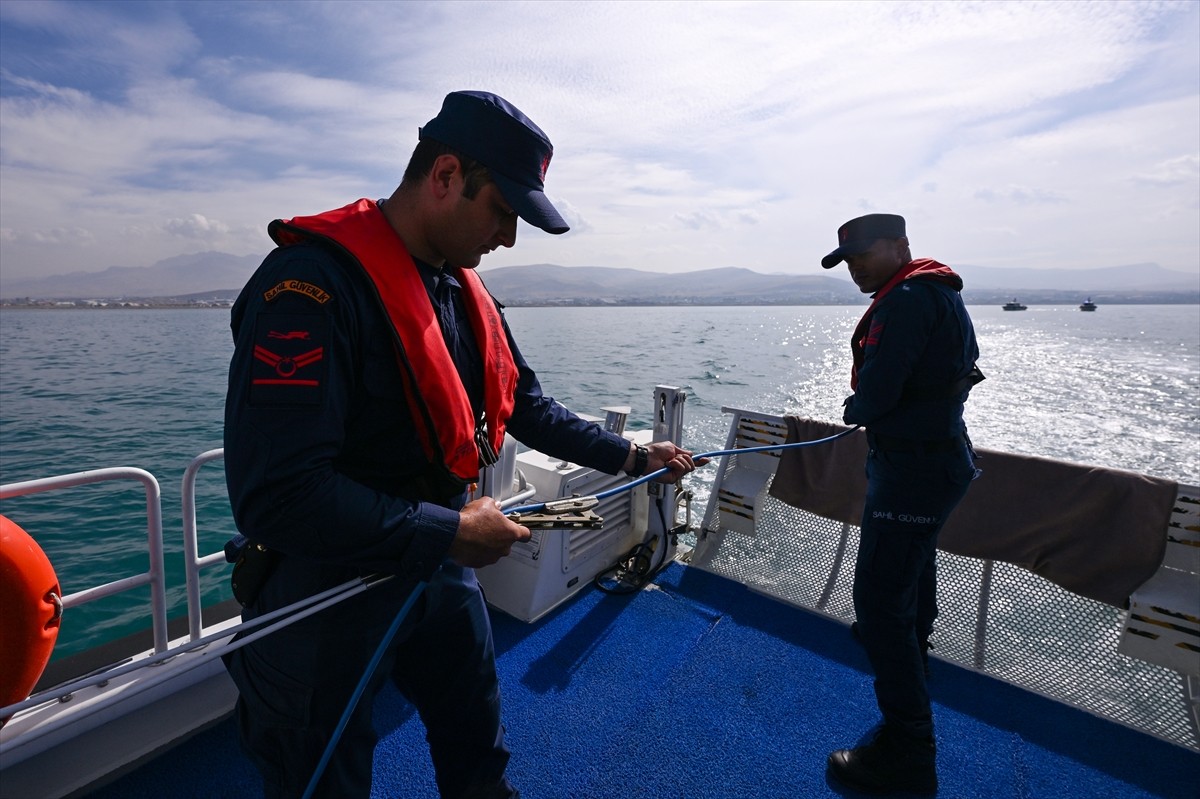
(435, 392)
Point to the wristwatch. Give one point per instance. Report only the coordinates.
(641, 458)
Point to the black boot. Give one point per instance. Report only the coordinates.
(890, 763)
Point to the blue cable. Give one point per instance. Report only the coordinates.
(648, 477)
(361, 688)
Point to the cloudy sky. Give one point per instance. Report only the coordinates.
(687, 135)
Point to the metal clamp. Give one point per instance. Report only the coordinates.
(571, 512)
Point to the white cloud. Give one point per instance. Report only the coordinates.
(196, 226)
(58, 235)
(1019, 195)
(687, 135)
(1183, 170)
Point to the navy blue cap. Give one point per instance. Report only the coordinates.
(495, 133)
(856, 236)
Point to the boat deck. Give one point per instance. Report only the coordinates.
(699, 687)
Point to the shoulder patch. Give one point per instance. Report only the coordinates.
(309, 290)
(290, 362)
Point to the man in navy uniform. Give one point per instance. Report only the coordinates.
(372, 377)
(914, 364)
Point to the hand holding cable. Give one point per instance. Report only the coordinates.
(485, 534)
(666, 473)
(660, 455)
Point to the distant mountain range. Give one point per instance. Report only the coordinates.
(548, 284)
(202, 272)
(219, 276)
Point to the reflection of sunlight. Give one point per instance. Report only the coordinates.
(1113, 396)
(1118, 394)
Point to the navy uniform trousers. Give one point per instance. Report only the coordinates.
(909, 497)
(295, 684)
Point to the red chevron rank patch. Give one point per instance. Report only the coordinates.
(289, 366)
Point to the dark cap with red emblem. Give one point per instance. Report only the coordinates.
(856, 236)
(495, 133)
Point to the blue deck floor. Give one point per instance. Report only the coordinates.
(702, 689)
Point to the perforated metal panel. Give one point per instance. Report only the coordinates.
(994, 617)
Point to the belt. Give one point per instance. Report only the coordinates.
(896, 444)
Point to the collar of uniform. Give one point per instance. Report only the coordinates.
(430, 276)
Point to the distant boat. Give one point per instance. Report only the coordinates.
(1014, 305)
(1088, 305)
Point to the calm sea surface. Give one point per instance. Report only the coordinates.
(84, 390)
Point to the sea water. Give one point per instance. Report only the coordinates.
(87, 389)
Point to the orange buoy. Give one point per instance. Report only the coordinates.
(31, 598)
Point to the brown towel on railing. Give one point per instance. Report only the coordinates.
(1097, 532)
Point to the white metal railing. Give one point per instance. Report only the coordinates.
(502, 481)
(192, 561)
(263, 625)
(193, 564)
(155, 576)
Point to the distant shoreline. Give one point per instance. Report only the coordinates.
(81, 305)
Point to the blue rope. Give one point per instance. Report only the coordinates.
(648, 477)
(362, 687)
(416, 592)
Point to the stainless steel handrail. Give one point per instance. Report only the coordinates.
(192, 561)
(193, 564)
(155, 576)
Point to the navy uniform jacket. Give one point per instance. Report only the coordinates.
(321, 453)
(922, 342)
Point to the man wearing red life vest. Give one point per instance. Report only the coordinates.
(372, 376)
(914, 364)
